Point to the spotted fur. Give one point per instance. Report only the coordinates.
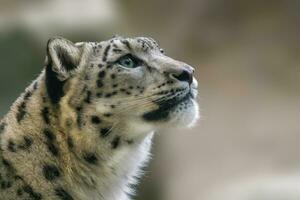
(82, 130)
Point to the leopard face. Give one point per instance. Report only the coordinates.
(124, 79)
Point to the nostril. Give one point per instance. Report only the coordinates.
(184, 76)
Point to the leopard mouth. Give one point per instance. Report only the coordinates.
(165, 107)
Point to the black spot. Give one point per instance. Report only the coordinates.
(34, 195)
(17, 177)
(27, 143)
(90, 158)
(99, 94)
(45, 114)
(105, 53)
(62, 194)
(35, 85)
(2, 127)
(100, 65)
(117, 50)
(127, 44)
(27, 95)
(19, 192)
(54, 85)
(95, 120)
(109, 66)
(115, 143)
(130, 141)
(49, 135)
(51, 139)
(101, 74)
(112, 106)
(51, 172)
(149, 68)
(7, 164)
(107, 114)
(100, 83)
(79, 116)
(113, 76)
(88, 97)
(11, 146)
(5, 184)
(108, 95)
(105, 132)
(53, 149)
(115, 85)
(70, 142)
(21, 111)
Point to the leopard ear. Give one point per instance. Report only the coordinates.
(63, 56)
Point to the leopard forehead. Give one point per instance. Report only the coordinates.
(134, 44)
(112, 48)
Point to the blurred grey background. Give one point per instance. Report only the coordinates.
(246, 55)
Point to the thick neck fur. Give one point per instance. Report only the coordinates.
(97, 157)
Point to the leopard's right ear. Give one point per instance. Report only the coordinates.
(63, 58)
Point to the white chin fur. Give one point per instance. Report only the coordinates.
(186, 117)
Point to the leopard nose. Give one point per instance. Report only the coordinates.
(184, 75)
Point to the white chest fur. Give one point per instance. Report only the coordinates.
(115, 184)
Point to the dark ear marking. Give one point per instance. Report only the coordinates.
(63, 57)
(54, 85)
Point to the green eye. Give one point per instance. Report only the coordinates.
(128, 61)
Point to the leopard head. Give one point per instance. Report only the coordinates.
(125, 80)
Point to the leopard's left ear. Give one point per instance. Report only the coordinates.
(62, 61)
(63, 56)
